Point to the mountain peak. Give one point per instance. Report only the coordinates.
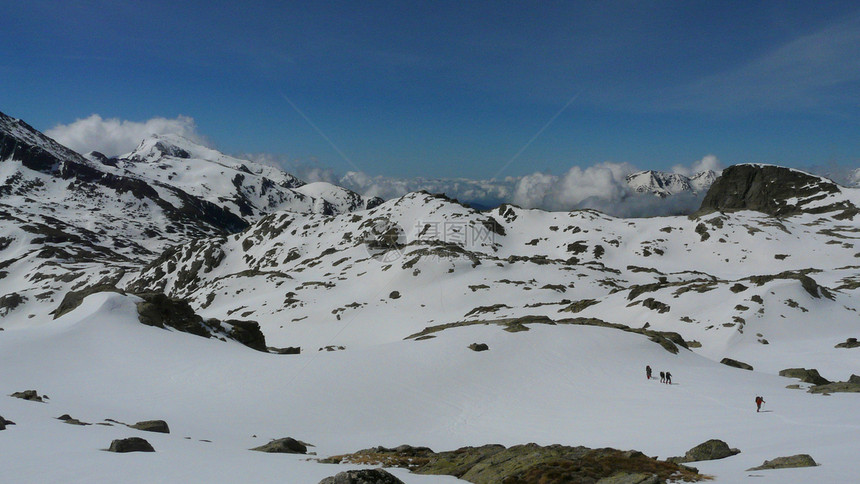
(774, 190)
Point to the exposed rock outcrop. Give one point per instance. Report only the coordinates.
(805, 375)
(362, 476)
(849, 343)
(479, 347)
(736, 364)
(799, 460)
(287, 445)
(774, 190)
(710, 450)
(528, 464)
(31, 395)
(159, 426)
(131, 444)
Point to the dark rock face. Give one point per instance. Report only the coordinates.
(248, 333)
(152, 426)
(479, 347)
(799, 460)
(286, 445)
(710, 450)
(30, 395)
(807, 376)
(736, 364)
(363, 476)
(131, 444)
(854, 379)
(772, 190)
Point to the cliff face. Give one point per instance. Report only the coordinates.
(776, 191)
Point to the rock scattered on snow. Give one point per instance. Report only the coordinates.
(799, 460)
(30, 395)
(736, 364)
(287, 445)
(289, 350)
(159, 426)
(362, 476)
(849, 343)
(805, 375)
(710, 450)
(479, 347)
(66, 418)
(131, 444)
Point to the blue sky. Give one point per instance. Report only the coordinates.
(454, 89)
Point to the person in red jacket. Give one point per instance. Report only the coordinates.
(758, 402)
(648, 371)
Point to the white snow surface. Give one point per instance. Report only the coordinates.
(553, 384)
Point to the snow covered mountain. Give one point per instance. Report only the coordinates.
(665, 184)
(250, 190)
(383, 305)
(69, 221)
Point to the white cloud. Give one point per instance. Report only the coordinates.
(114, 136)
(709, 162)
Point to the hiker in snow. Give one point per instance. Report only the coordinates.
(648, 371)
(662, 377)
(668, 378)
(758, 402)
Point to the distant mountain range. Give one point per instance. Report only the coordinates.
(666, 184)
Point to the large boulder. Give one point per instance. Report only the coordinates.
(159, 426)
(286, 445)
(805, 375)
(736, 364)
(799, 460)
(363, 476)
(854, 379)
(131, 444)
(710, 450)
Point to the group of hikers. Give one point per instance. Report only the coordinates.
(665, 376)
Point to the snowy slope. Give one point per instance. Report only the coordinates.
(314, 280)
(552, 384)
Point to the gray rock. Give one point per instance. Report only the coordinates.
(836, 387)
(849, 343)
(30, 395)
(805, 375)
(286, 445)
(736, 364)
(799, 460)
(66, 418)
(854, 379)
(289, 350)
(159, 426)
(131, 444)
(479, 347)
(710, 450)
(363, 476)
